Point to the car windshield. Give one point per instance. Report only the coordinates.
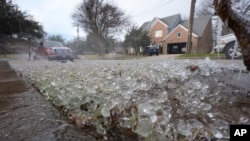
(153, 48)
(53, 44)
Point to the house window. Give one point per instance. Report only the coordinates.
(158, 33)
(179, 35)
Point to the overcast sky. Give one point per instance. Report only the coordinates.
(55, 15)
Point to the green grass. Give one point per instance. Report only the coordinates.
(8, 56)
(112, 57)
(202, 55)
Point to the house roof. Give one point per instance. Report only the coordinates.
(144, 25)
(199, 24)
(170, 21)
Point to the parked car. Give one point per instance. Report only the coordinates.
(226, 46)
(150, 50)
(53, 50)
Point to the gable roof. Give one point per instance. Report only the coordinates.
(181, 26)
(144, 25)
(199, 24)
(170, 21)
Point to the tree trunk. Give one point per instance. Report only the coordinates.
(239, 25)
(100, 47)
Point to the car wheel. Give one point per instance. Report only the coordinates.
(48, 58)
(229, 50)
(71, 59)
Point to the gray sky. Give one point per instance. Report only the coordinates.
(55, 15)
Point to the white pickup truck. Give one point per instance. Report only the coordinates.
(226, 46)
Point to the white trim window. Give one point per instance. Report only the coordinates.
(179, 35)
(158, 33)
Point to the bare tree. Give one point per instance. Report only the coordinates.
(205, 7)
(239, 22)
(99, 19)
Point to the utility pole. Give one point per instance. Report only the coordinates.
(190, 28)
(77, 36)
(29, 40)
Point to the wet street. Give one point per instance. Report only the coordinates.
(25, 114)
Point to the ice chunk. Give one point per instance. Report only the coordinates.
(184, 128)
(125, 122)
(144, 126)
(105, 111)
(210, 115)
(167, 114)
(244, 120)
(217, 133)
(205, 106)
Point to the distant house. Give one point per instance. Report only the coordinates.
(120, 50)
(160, 28)
(171, 33)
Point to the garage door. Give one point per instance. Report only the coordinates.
(176, 48)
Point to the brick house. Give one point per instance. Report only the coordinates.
(160, 28)
(171, 33)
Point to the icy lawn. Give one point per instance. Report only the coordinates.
(158, 100)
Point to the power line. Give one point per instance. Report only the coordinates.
(148, 9)
(151, 9)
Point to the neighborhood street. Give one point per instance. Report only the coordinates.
(224, 62)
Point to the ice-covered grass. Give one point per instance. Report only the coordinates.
(158, 100)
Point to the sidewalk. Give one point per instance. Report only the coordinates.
(26, 115)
